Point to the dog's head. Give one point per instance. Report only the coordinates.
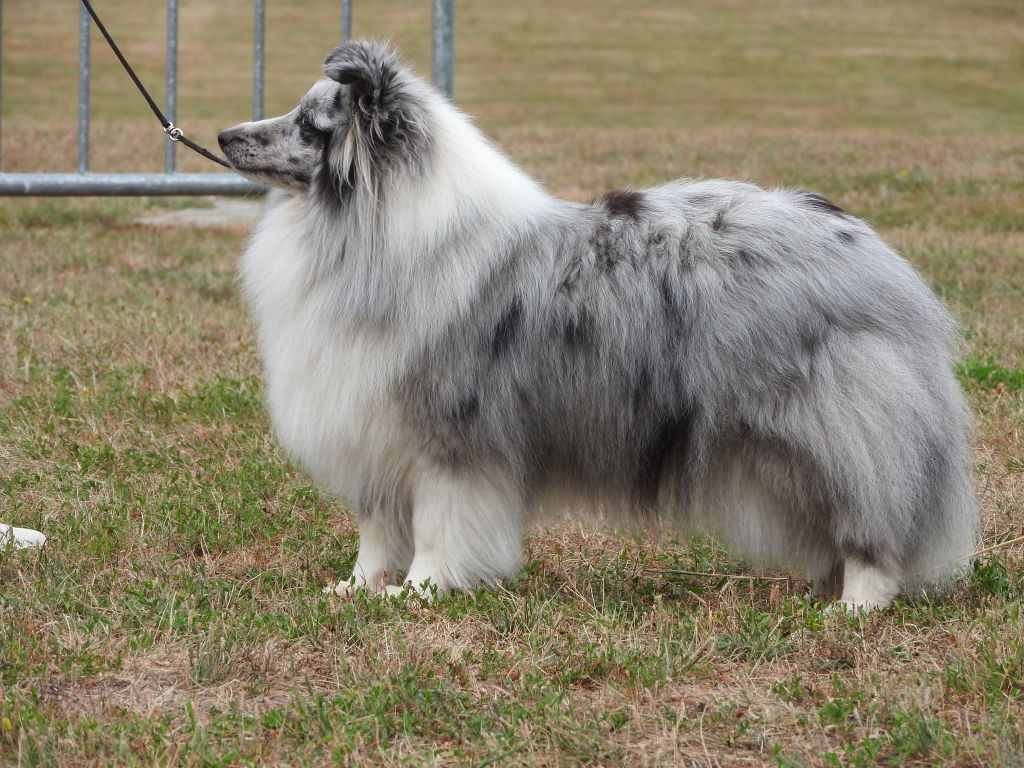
(365, 117)
(285, 151)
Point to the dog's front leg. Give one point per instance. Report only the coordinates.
(467, 530)
(385, 549)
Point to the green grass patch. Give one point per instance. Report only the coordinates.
(989, 374)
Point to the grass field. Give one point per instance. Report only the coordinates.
(175, 617)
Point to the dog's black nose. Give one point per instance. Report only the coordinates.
(228, 136)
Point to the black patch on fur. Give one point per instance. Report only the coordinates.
(578, 334)
(605, 254)
(467, 409)
(262, 140)
(718, 223)
(522, 395)
(506, 329)
(746, 258)
(624, 202)
(668, 301)
(332, 189)
(571, 273)
(641, 388)
(819, 203)
(686, 260)
(811, 340)
(812, 336)
(668, 444)
(671, 304)
(846, 237)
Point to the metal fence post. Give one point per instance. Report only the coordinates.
(443, 50)
(258, 57)
(172, 81)
(1, 82)
(171, 182)
(346, 19)
(84, 23)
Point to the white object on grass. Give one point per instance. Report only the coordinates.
(20, 537)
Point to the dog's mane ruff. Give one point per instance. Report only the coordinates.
(408, 176)
(401, 130)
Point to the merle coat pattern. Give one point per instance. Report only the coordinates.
(457, 352)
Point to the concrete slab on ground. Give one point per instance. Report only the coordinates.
(224, 213)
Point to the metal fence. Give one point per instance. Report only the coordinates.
(170, 182)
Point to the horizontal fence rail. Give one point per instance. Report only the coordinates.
(170, 182)
(117, 184)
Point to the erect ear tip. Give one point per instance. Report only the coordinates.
(346, 63)
(333, 60)
(335, 53)
(358, 54)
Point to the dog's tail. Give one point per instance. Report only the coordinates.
(952, 514)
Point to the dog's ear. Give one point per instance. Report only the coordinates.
(369, 70)
(388, 125)
(386, 97)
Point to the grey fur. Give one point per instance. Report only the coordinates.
(755, 362)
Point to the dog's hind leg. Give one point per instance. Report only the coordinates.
(467, 530)
(868, 585)
(385, 548)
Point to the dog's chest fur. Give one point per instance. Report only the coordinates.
(326, 380)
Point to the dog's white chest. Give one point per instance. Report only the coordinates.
(325, 381)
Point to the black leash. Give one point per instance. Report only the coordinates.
(173, 132)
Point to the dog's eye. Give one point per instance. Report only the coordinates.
(308, 129)
(306, 124)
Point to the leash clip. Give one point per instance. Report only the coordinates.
(173, 133)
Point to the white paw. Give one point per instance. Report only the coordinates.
(358, 582)
(839, 608)
(862, 606)
(343, 588)
(867, 587)
(426, 592)
(347, 588)
(854, 607)
(20, 538)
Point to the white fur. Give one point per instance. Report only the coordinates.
(317, 362)
(867, 587)
(20, 538)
